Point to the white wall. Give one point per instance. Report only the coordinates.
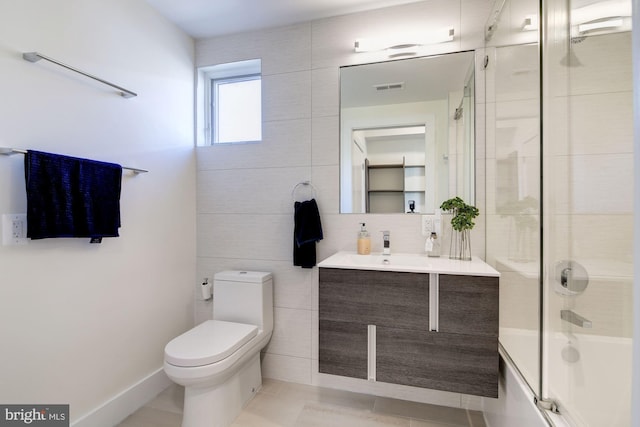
(635, 409)
(245, 206)
(80, 323)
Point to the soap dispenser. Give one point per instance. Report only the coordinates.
(432, 245)
(364, 240)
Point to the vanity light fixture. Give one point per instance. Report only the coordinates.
(600, 24)
(372, 45)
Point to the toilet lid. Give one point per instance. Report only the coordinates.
(209, 342)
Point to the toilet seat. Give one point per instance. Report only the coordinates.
(207, 343)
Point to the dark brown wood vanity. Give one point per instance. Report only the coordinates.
(426, 329)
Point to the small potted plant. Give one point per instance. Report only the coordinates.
(462, 223)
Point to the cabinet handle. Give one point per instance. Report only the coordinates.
(434, 292)
(371, 352)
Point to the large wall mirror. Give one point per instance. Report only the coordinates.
(407, 134)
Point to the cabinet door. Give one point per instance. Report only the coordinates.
(440, 361)
(343, 348)
(382, 298)
(343, 296)
(468, 305)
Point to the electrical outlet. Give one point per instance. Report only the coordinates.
(14, 229)
(437, 225)
(427, 225)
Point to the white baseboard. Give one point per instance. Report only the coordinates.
(119, 407)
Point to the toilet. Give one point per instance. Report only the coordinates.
(218, 361)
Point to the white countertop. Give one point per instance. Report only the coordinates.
(410, 263)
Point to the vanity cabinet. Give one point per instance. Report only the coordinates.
(351, 300)
(457, 350)
(452, 362)
(374, 297)
(343, 348)
(468, 305)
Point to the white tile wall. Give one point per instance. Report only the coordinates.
(606, 66)
(260, 236)
(286, 96)
(287, 47)
(291, 333)
(245, 206)
(324, 133)
(593, 179)
(285, 143)
(590, 163)
(325, 91)
(287, 368)
(614, 109)
(256, 190)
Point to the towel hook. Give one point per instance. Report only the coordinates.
(304, 184)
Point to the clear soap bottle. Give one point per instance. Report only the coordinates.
(364, 240)
(432, 245)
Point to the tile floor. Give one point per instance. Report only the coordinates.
(281, 404)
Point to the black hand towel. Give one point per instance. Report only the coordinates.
(71, 197)
(307, 231)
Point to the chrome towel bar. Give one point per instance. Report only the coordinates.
(9, 151)
(35, 57)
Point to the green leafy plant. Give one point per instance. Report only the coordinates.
(463, 214)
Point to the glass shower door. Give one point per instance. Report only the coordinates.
(513, 199)
(513, 158)
(587, 211)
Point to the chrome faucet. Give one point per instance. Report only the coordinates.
(386, 243)
(575, 318)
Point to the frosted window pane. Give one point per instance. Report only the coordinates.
(239, 111)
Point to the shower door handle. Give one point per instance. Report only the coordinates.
(575, 318)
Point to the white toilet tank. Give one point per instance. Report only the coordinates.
(244, 297)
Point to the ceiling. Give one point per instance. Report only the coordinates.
(423, 79)
(210, 18)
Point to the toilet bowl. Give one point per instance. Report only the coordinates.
(218, 361)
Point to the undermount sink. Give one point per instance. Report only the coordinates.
(412, 263)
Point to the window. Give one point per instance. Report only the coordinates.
(237, 109)
(231, 107)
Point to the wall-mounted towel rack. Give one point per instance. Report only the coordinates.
(9, 151)
(35, 57)
(304, 184)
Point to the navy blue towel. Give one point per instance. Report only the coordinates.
(71, 197)
(307, 231)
